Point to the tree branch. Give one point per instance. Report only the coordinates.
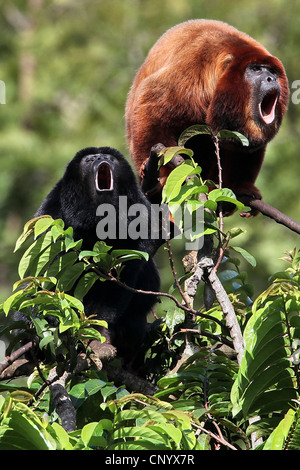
(111, 278)
(205, 270)
(227, 308)
(61, 399)
(273, 213)
(132, 382)
(15, 355)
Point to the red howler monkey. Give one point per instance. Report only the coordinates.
(207, 72)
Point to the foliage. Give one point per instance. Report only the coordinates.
(184, 183)
(54, 107)
(52, 266)
(204, 399)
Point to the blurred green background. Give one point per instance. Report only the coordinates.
(68, 65)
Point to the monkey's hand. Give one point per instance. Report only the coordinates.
(247, 193)
(153, 178)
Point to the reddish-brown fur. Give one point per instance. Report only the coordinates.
(195, 74)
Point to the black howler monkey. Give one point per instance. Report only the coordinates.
(94, 177)
(207, 72)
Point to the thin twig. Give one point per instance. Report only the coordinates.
(217, 152)
(219, 338)
(221, 217)
(170, 255)
(222, 252)
(111, 278)
(219, 439)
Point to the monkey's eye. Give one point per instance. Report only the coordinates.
(273, 71)
(89, 159)
(256, 68)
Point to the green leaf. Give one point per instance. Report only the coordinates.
(174, 317)
(38, 266)
(33, 253)
(72, 301)
(225, 134)
(192, 131)
(69, 319)
(61, 263)
(148, 436)
(261, 384)
(41, 325)
(9, 303)
(21, 433)
(265, 370)
(137, 444)
(33, 281)
(82, 391)
(69, 276)
(169, 153)
(170, 430)
(235, 232)
(247, 256)
(87, 254)
(28, 231)
(275, 400)
(58, 229)
(270, 352)
(187, 191)
(101, 247)
(61, 436)
(45, 341)
(90, 333)
(126, 255)
(277, 438)
(92, 435)
(225, 195)
(42, 225)
(84, 284)
(211, 205)
(176, 178)
(72, 245)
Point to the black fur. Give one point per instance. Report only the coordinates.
(75, 199)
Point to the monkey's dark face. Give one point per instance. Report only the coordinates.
(99, 175)
(251, 98)
(265, 93)
(96, 176)
(104, 175)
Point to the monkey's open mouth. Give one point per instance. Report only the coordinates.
(267, 106)
(104, 178)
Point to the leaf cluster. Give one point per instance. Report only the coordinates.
(208, 401)
(205, 400)
(55, 275)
